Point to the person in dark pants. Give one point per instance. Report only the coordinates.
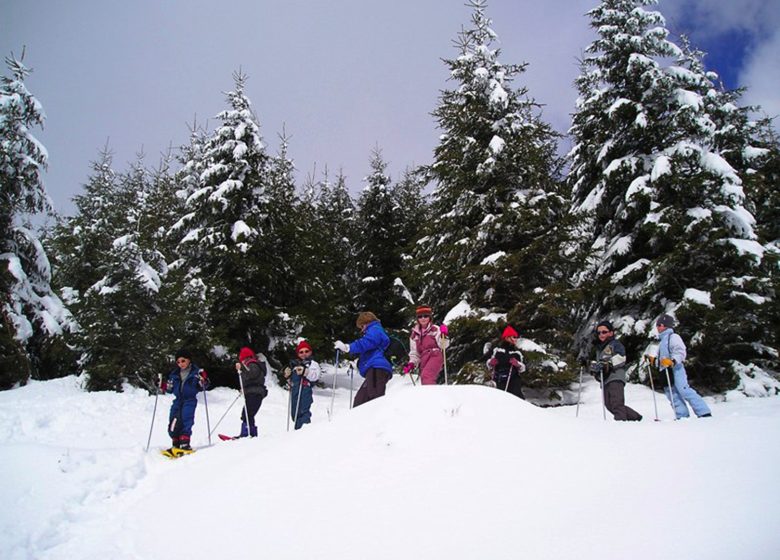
(506, 363)
(610, 361)
(252, 372)
(303, 372)
(185, 381)
(372, 364)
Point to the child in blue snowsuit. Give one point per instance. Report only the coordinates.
(302, 372)
(184, 381)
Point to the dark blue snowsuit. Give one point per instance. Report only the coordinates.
(182, 415)
(300, 411)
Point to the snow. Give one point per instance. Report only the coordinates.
(748, 247)
(241, 229)
(433, 472)
(491, 259)
(661, 167)
(497, 145)
(698, 296)
(462, 309)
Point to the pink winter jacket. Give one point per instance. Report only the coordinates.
(425, 351)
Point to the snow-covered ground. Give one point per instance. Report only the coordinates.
(461, 472)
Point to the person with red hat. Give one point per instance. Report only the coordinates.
(426, 342)
(252, 372)
(507, 360)
(302, 372)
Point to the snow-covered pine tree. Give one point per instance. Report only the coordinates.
(332, 257)
(378, 253)
(413, 208)
(222, 223)
(31, 312)
(496, 201)
(662, 213)
(119, 312)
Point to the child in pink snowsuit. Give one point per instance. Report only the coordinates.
(425, 347)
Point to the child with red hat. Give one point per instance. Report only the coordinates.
(426, 342)
(302, 372)
(252, 380)
(507, 360)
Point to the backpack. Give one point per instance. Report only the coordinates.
(396, 352)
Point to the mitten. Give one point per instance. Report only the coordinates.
(667, 362)
(444, 330)
(493, 362)
(343, 347)
(408, 367)
(204, 379)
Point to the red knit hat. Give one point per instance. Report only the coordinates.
(424, 310)
(303, 344)
(245, 353)
(509, 331)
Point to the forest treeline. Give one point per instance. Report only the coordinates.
(666, 203)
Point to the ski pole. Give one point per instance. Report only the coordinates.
(579, 393)
(444, 357)
(351, 377)
(603, 390)
(289, 401)
(333, 393)
(225, 414)
(206, 404)
(246, 409)
(154, 413)
(652, 387)
(671, 392)
(508, 377)
(298, 403)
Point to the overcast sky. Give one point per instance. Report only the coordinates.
(342, 76)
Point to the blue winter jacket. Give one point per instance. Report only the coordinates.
(191, 386)
(371, 347)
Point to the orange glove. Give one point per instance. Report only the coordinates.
(667, 362)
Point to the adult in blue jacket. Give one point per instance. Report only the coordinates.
(372, 364)
(185, 381)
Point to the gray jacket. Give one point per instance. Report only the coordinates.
(612, 356)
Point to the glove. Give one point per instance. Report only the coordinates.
(204, 379)
(517, 364)
(650, 359)
(408, 367)
(287, 372)
(163, 384)
(667, 362)
(444, 330)
(238, 366)
(595, 368)
(299, 370)
(493, 362)
(341, 346)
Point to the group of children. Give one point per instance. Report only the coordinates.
(187, 379)
(427, 344)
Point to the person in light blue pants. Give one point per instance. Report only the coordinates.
(671, 354)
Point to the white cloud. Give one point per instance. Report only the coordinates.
(761, 76)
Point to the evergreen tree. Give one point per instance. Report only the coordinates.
(333, 261)
(496, 204)
(223, 222)
(32, 314)
(663, 215)
(378, 253)
(120, 309)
